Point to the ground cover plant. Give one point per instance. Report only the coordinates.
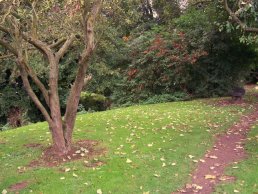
(149, 148)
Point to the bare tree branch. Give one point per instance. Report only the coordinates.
(57, 43)
(74, 96)
(41, 46)
(65, 47)
(28, 69)
(7, 46)
(40, 85)
(6, 56)
(6, 30)
(30, 92)
(24, 75)
(237, 20)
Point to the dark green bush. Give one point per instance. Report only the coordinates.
(92, 101)
(177, 96)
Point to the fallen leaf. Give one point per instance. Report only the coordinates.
(150, 144)
(236, 191)
(128, 161)
(156, 175)
(62, 178)
(99, 191)
(75, 175)
(4, 191)
(67, 169)
(190, 156)
(198, 187)
(213, 157)
(210, 176)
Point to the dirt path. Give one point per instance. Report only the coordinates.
(227, 150)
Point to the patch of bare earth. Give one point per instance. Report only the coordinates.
(33, 145)
(18, 187)
(83, 149)
(227, 150)
(229, 102)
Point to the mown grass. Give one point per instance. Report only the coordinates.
(157, 139)
(246, 171)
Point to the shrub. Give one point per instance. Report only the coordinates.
(92, 101)
(177, 96)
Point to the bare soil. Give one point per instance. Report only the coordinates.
(227, 150)
(18, 186)
(83, 149)
(32, 145)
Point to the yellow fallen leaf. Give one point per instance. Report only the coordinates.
(208, 176)
(4, 191)
(99, 191)
(67, 169)
(236, 191)
(75, 175)
(62, 178)
(128, 161)
(150, 144)
(198, 187)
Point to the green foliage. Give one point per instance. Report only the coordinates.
(228, 61)
(92, 101)
(167, 10)
(11, 97)
(192, 57)
(160, 65)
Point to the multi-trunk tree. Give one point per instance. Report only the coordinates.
(30, 26)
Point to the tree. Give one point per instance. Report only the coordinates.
(244, 14)
(20, 32)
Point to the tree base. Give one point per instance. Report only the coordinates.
(83, 149)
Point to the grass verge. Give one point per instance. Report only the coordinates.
(151, 148)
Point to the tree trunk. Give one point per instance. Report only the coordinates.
(60, 145)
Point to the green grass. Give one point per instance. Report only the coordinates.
(247, 172)
(158, 139)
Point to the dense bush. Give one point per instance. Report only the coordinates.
(92, 101)
(194, 57)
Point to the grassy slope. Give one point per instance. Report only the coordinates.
(147, 135)
(246, 173)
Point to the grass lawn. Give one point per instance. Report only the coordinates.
(245, 171)
(150, 148)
